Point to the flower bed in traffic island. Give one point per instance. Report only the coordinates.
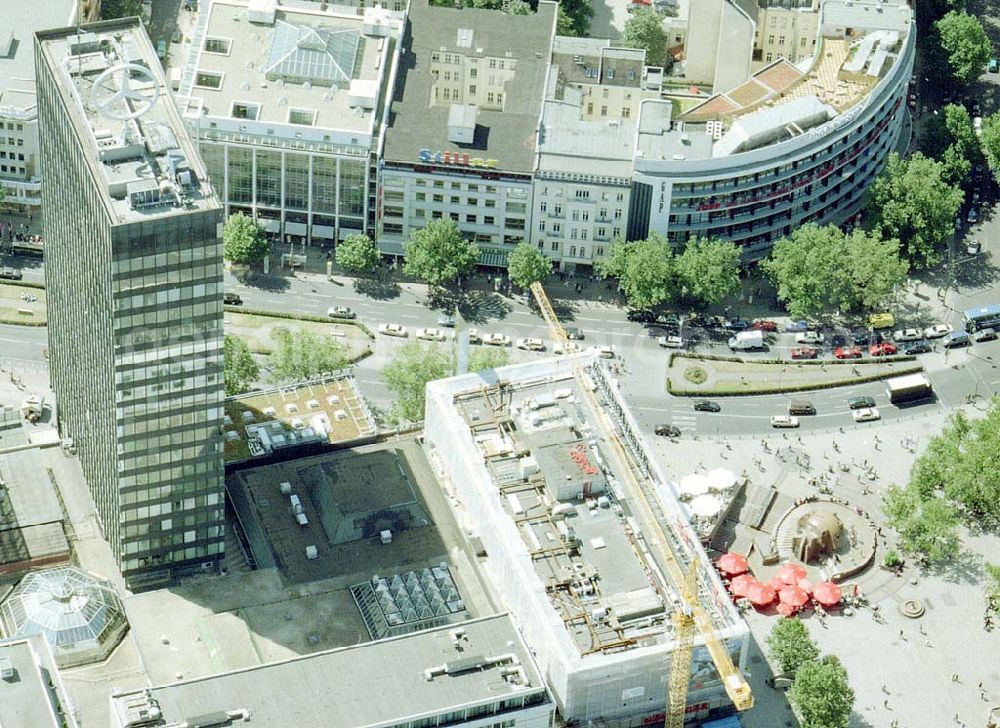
(706, 374)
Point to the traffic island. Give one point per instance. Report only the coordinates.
(22, 305)
(257, 327)
(721, 376)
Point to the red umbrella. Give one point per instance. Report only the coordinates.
(760, 595)
(827, 593)
(792, 573)
(732, 564)
(793, 596)
(776, 583)
(741, 584)
(785, 610)
(806, 586)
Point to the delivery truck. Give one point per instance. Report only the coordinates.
(747, 341)
(911, 388)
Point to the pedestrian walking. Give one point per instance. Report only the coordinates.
(885, 704)
(954, 677)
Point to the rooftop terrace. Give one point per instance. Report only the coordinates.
(324, 410)
(111, 81)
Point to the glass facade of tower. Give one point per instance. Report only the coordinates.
(135, 315)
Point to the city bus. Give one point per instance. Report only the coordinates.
(984, 317)
(909, 388)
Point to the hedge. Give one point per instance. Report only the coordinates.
(22, 284)
(786, 362)
(805, 387)
(301, 317)
(23, 322)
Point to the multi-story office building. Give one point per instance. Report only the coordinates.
(461, 133)
(286, 104)
(20, 177)
(793, 144)
(478, 674)
(134, 266)
(582, 185)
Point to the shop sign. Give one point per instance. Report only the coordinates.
(460, 159)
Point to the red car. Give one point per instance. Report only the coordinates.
(764, 325)
(884, 349)
(804, 353)
(847, 352)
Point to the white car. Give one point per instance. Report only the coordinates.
(430, 334)
(907, 335)
(569, 347)
(866, 414)
(937, 331)
(605, 352)
(392, 329)
(809, 337)
(474, 337)
(496, 339)
(530, 344)
(671, 342)
(784, 421)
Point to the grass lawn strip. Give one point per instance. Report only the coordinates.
(736, 377)
(11, 305)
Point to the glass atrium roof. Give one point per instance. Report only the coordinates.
(71, 608)
(323, 56)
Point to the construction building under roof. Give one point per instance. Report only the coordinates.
(569, 553)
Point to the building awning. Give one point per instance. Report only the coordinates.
(493, 258)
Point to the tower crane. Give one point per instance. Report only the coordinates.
(691, 618)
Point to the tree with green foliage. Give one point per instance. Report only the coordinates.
(488, 357)
(993, 584)
(965, 42)
(644, 29)
(302, 355)
(526, 264)
(911, 202)
(239, 369)
(574, 18)
(708, 270)
(990, 142)
(961, 464)
(646, 270)
(409, 372)
(927, 527)
(114, 9)
(357, 254)
(243, 240)
(950, 137)
(821, 694)
(3, 194)
(822, 269)
(790, 645)
(438, 254)
(519, 7)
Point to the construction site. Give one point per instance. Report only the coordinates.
(586, 544)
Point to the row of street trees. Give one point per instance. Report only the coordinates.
(650, 273)
(820, 693)
(416, 364)
(296, 356)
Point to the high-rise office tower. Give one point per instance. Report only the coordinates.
(134, 270)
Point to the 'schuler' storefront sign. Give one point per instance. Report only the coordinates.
(460, 159)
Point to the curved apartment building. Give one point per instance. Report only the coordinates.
(794, 143)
